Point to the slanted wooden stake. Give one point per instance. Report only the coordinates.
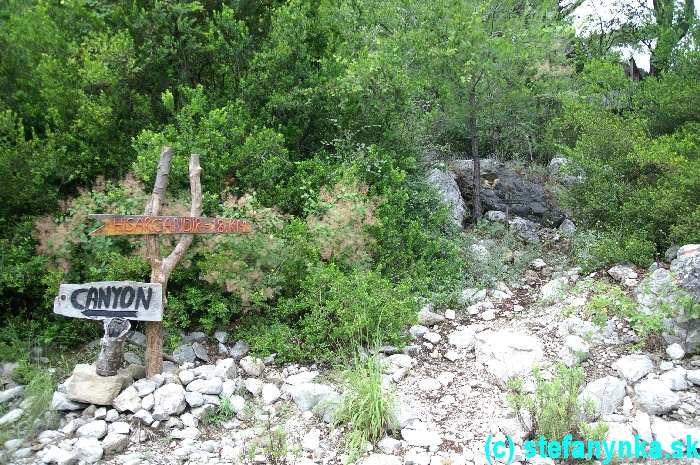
(161, 267)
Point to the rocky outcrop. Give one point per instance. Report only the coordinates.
(674, 292)
(450, 194)
(502, 189)
(686, 268)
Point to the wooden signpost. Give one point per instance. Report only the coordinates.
(111, 299)
(123, 225)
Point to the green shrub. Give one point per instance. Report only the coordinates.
(593, 249)
(367, 406)
(276, 446)
(335, 311)
(553, 410)
(639, 192)
(267, 335)
(38, 392)
(258, 268)
(414, 241)
(607, 301)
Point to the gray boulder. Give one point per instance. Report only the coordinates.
(252, 366)
(525, 229)
(61, 402)
(11, 417)
(567, 227)
(427, 317)
(169, 400)
(605, 395)
(54, 454)
(554, 290)
(656, 397)
(308, 395)
(145, 386)
(495, 216)
(206, 386)
(184, 354)
(676, 379)
(9, 394)
(622, 272)
(85, 385)
(200, 351)
(502, 189)
(221, 336)
(575, 350)
(449, 192)
(634, 367)
(94, 429)
(462, 338)
(129, 400)
(239, 350)
(686, 269)
(506, 354)
(89, 450)
(114, 443)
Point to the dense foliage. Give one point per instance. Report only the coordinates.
(315, 119)
(639, 157)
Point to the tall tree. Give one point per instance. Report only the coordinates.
(658, 27)
(671, 24)
(481, 62)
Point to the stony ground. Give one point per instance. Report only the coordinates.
(449, 387)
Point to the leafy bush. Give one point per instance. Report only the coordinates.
(593, 249)
(341, 224)
(414, 242)
(262, 266)
(336, 311)
(638, 191)
(553, 410)
(367, 406)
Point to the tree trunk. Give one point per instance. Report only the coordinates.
(476, 180)
(154, 339)
(162, 267)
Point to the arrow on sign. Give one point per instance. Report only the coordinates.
(126, 225)
(110, 313)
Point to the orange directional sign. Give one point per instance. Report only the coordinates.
(127, 225)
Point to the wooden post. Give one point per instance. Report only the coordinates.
(162, 267)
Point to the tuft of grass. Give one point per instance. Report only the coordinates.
(222, 413)
(276, 447)
(39, 392)
(366, 407)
